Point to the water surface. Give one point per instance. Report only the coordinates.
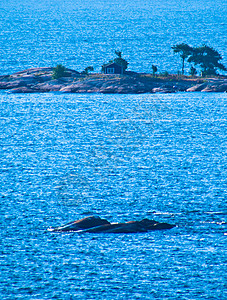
(122, 157)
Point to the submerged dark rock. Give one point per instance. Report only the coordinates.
(82, 224)
(94, 224)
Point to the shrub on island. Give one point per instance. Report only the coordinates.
(59, 71)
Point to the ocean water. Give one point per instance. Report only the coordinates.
(122, 157)
(80, 33)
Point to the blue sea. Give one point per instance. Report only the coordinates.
(121, 157)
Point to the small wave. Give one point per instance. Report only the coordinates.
(164, 213)
(215, 213)
(213, 222)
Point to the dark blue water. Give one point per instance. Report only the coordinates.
(122, 157)
(80, 33)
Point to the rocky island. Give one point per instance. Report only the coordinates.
(40, 80)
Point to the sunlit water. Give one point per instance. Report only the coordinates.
(80, 33)
(122, 157)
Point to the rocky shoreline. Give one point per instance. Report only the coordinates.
(39, 80)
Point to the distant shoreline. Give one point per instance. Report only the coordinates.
(39, 80)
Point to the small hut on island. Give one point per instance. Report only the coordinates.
(112, 68)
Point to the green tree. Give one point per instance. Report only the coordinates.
(208, 59)
(118, 53)
(87, 70)
(121, 61)
(192, 71)
(184, 50)
(59, 71)
(154, 69)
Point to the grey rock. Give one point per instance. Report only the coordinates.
(49, 86)
(22, 89)
(197, 87)
(220, 87)
(17, 82)
(163, 90)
